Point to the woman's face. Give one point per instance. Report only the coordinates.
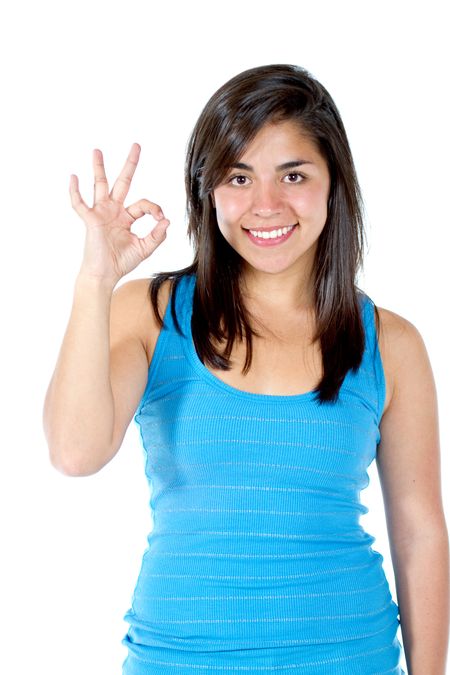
(272, 205)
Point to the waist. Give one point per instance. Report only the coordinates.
(208, 596)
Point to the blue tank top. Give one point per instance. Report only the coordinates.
(255, 501)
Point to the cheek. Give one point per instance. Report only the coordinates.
(228, 212)
(313, 202)
(224, 222)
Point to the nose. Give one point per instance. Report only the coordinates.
(266, 200)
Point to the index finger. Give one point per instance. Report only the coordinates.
(122, 184)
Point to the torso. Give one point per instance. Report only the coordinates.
(276, 368)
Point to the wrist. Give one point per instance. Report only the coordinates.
(91, 282)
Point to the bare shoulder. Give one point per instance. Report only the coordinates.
(132, 314)
(402, 350)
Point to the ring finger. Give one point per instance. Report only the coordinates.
(100, 181)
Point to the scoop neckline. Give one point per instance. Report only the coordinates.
(224, 386)
(215, 381)
(212, 379)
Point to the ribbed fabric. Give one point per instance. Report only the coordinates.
(257, 560)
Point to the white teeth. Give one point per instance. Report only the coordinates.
(272, 234)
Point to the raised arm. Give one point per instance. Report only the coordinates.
(101, 370)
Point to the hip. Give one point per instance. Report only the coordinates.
(377, 654)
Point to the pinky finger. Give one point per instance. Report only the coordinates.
(77, 201)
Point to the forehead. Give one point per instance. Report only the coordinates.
(283, 138)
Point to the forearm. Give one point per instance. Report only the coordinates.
(422, 583)
(79, 406)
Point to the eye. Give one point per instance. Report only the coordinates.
(293, 178)
(238, 180)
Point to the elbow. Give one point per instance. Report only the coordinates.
(73, 452)
(71, 468)
(71, 462)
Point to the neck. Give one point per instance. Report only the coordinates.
(287, 291)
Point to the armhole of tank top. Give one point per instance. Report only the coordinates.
(377, 362)
(157, 354)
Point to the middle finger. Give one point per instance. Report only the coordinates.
(122, 184)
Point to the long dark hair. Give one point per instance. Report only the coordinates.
(228, 123)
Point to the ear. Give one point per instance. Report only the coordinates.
(213, 200)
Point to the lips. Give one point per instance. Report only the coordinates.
(269, 236)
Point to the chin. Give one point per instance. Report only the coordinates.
(268, 267)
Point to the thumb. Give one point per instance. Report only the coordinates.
(156, 236)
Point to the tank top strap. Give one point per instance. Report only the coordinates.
(180, 305)
(372, 356)
(168, 361)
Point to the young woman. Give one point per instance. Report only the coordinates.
(265, 383)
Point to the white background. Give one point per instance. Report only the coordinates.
(81, 75)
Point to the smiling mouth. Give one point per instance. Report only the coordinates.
(270, 233)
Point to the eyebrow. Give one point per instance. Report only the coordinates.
(280, 167)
